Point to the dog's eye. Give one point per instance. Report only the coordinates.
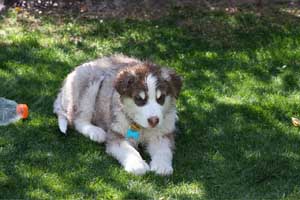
(161, 99)
(138, 100)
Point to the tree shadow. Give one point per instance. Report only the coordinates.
(36, 160)
(234, 150)
(241, 153)
(43, 164)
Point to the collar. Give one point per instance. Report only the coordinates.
(133, 131)
(135, 126)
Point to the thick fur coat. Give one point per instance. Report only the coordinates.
(102, 99)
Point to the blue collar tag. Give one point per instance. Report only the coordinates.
(132, 134)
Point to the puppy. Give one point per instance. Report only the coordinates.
(124, 102)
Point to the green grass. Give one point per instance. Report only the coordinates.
(241, 87)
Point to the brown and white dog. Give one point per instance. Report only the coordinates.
(124, 102)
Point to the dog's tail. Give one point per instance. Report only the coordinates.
(62, 119)
(62, 124)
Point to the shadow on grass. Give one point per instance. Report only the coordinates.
(236, 151)
(241, 153)
(44, 164)
(230, 150)
(36, 160)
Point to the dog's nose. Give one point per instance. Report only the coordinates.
(153, 121)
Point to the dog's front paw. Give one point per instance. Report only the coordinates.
(136, 166)
(161, 167)
(96, 134)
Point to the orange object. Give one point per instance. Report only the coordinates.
(22, 110)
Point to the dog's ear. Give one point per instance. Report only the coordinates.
(123, 82)
(174, 80)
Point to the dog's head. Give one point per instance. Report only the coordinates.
(148, 92)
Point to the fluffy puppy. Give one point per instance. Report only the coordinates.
(124, 102)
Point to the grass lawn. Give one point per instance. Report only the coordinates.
(241, 87)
